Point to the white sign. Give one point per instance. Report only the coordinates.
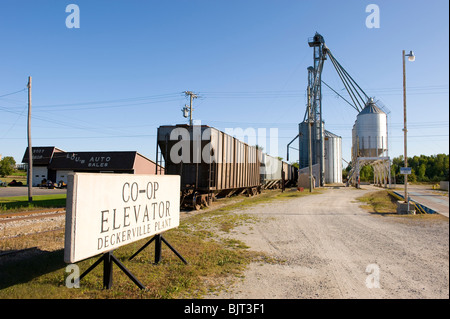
(405, 170)
(106, 211)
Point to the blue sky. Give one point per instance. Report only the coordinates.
(109, 84)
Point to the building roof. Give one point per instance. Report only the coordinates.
(329, 134)
(119, 161)
(371, 108)
(42, 155)
(86, 161)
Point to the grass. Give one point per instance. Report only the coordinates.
(19, 177)
(379, 202)
(383, 204)
(42, 274)
(225, 219)
(214, 261)
(20, 203)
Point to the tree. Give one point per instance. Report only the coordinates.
(7, 165)
(366, 173)
(424, 168)
(346, 171)
(421, 173)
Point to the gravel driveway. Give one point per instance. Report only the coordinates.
(326, 246)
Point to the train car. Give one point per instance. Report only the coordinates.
(276, 173)
(210, 162)
(290, 174)
(271, 172)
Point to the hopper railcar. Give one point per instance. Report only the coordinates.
(214, 164)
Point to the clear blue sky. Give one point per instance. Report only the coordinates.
(109, 84)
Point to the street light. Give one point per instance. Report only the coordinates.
(411, 57)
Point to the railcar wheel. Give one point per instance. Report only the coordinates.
(194, 201)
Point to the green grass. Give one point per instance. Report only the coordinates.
(214, 261)
(19, 177)
(20, 203)
(211, 262)
(383, 204)
(379, 202)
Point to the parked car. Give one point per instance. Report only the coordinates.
(61, 184)
(2, 183)
(15, 183)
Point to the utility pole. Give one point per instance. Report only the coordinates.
(192, 96)
(30, 149)
(310, 141)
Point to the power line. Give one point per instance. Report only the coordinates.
(44, 108)
(154, 135)
(141, 98)
(170, 97)
(13, 92)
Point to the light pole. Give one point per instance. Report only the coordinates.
(411, 57)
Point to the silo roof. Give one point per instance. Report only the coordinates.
(370, 109)
(329, 134)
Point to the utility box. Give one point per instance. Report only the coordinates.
(402, 208)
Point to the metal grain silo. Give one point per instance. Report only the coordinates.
(333, 158)
(304, 143)
(370, 135)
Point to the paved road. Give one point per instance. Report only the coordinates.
(430, 198)
(23, 191)
(326, 246)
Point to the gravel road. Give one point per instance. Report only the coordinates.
(23, 191)
(326, 246)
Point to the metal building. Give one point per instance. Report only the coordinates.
(332, 153)
(333, 158)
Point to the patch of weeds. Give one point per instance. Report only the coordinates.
(379, 202)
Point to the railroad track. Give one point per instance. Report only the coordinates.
(35, 214)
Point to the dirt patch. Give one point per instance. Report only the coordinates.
(330, 247)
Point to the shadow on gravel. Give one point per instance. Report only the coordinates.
(389, 214)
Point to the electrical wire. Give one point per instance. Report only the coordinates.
(140, 98)
(13, 92)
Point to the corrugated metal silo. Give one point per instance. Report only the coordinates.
(304, 144)
(333, 158)
(370, 136)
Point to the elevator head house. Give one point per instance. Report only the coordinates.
(53, 164)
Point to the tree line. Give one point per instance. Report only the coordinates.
(424, 168)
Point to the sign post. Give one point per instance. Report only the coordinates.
(108, 259)
(107, 211)
(158, 245)
(405, 170)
